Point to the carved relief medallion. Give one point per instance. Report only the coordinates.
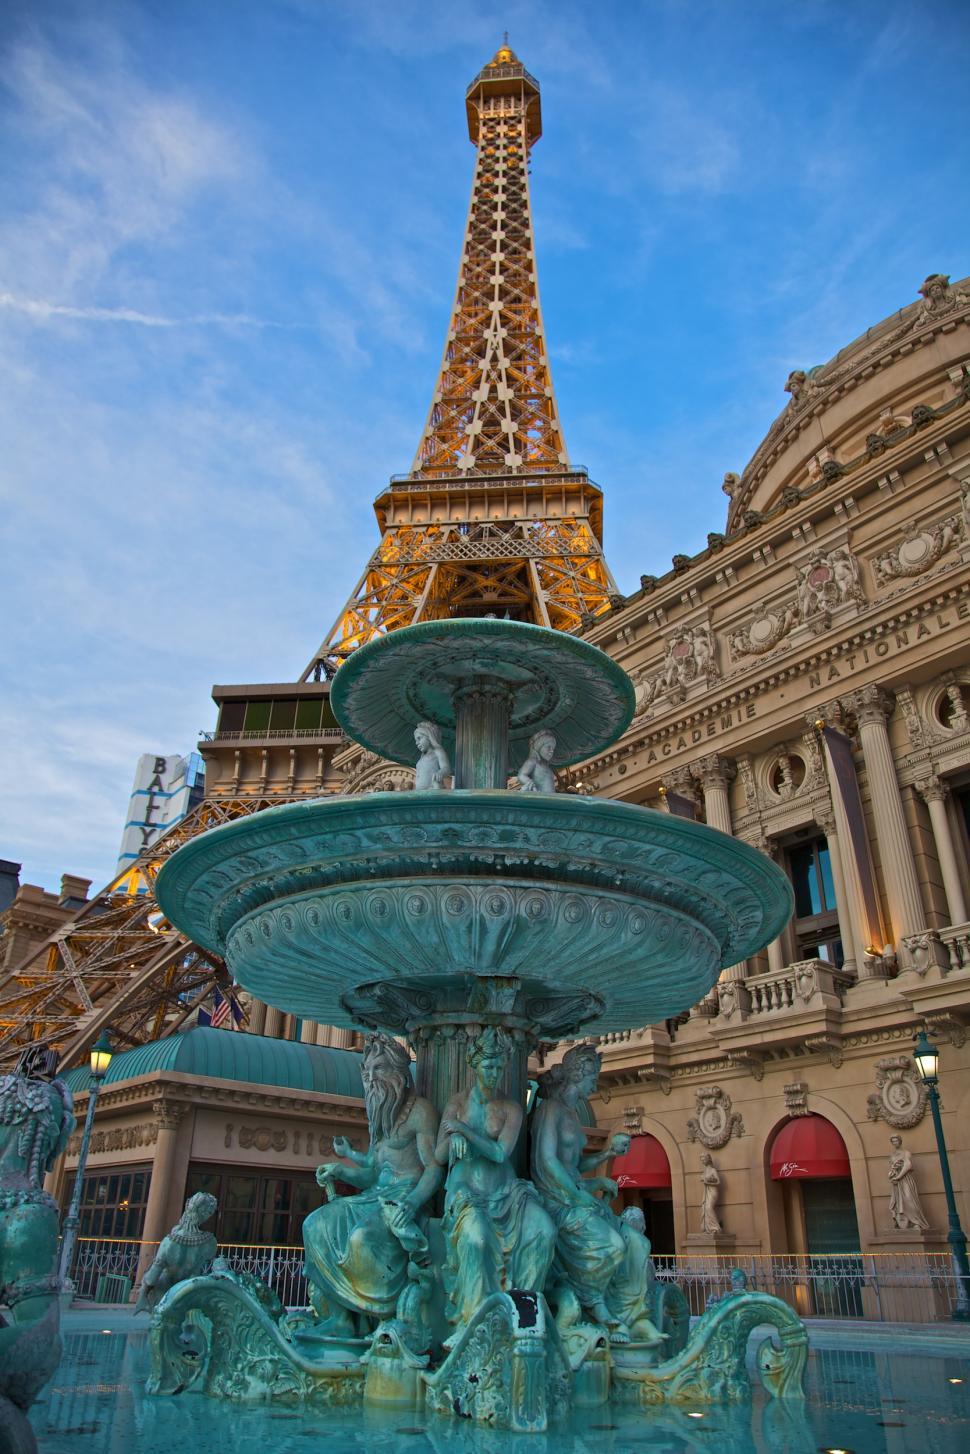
(900, 1096)
(715, 1122)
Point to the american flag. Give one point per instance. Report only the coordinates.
(225, 1011)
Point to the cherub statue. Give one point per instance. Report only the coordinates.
(535, 775)
(433, 766)
(182, 1254)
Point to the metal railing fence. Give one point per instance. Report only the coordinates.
(916, 1287)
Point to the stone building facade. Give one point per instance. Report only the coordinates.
(833, 608)
(33, 914)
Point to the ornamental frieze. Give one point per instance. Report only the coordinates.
(715, 1122)
(900, 1096)
(920, 549)
(689, 658)
(768, 626)
(120, 1138)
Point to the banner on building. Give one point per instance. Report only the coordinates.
(842, 776)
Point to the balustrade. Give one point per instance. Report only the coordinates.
(805, 984)
(956, 941)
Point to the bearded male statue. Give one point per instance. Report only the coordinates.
(358, 1248)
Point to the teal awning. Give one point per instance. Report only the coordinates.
(235, 1056)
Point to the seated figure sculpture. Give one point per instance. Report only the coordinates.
(358, 1248)
(182, 1254)
(602, 1261)
(498, 1235)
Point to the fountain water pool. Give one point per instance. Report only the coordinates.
(863, 1393)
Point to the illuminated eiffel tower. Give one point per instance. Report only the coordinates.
(492, 519)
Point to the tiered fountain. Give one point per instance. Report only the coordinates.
(473, 923)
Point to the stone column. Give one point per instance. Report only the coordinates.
(257, 1018)
(274, 1023)
(158, 1210)
(308, 1032)
(851, 958)
(714, 773)
(907, 915)
(934, 793)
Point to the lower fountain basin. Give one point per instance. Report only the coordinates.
(310, 901)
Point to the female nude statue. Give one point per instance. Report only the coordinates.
(498, 1235)
(601, 1261)
(433, 766)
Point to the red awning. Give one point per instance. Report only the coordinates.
(808, 1146)
(645, 1164)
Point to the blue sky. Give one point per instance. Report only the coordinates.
(229, 233)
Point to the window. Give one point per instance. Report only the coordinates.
(816, 922)
(112, 1202)
(253, 1208)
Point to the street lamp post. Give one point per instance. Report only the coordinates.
(100, 1060)
(927, 1058)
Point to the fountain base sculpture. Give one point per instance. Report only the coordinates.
(36, 1121)
(473, 923)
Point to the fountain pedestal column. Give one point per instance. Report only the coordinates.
(482, 711)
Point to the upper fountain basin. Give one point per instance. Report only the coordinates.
(310, 901)
(554, 681)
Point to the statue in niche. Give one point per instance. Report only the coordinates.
(181, 1254)
(711, 1183)
(358, 1248)
(497, 1233)
(602, 1262)
(536, 775)
(36, 1122)
(905, 1207)
(433, 766)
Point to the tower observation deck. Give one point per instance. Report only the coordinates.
(492, 518)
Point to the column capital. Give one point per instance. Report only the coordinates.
(933, 789)
(829, 714)
(869, 705)
(825, 818)
(168, 1114)
(680, 780)
(713, 771)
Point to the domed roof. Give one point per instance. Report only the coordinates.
(224, 1055)
(860, 402)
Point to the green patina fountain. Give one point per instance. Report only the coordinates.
(472, 922)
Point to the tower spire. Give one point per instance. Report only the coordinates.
(491, 519)
(494, 410)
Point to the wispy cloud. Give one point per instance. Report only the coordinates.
(39, 308)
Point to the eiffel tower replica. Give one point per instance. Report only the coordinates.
(491, 520)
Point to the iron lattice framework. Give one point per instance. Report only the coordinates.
(491, 517)
(116, 965)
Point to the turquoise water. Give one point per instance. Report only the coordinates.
(859, 1399)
